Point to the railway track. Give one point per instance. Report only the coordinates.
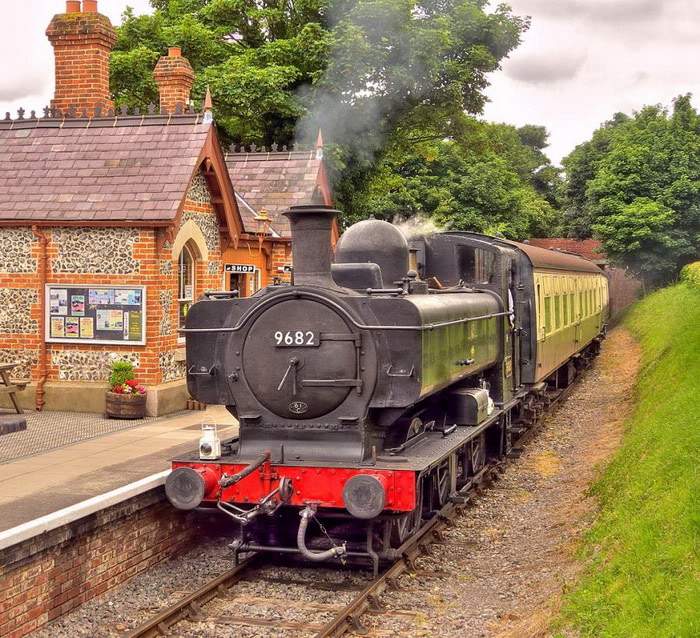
(306, 601)
(336, 600)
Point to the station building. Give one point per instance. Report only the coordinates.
(113, 223)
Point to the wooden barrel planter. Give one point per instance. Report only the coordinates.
(126, 406)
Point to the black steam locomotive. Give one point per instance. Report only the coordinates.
(378, 384)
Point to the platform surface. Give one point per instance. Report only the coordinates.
(65, 458)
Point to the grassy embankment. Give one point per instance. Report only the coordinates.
(643, 577)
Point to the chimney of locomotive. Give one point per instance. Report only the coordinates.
(312, 251)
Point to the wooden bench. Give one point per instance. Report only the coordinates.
(11, 387)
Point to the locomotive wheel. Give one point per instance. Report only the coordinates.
(442, 482)
(405, 525)
(477, 457)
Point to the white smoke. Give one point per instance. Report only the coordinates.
(417, 226)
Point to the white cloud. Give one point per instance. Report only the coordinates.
(584, 60)
(26, 57)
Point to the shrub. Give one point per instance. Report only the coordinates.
(122, 371)
(691, 274)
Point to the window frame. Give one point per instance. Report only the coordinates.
(182, 299)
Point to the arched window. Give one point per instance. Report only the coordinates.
(186, 281)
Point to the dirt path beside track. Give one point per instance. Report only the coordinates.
(506, 563)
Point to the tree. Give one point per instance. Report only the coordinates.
(482, 181)
(254, 55)
(367, 72)
(641, 192)
(581, 166)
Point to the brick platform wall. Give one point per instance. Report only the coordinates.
(54, 573)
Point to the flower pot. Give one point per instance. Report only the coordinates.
(126, 406)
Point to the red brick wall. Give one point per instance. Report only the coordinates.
(82, 44)
(150, 262)
(52, 574)
(175, 78)
(281, 256)
(624, 290)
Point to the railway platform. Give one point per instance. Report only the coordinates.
(62, 459)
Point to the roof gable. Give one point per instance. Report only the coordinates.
(276, 180)
(124, 170)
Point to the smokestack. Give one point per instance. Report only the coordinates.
(175, 78)
(82, 40)
(311, 244)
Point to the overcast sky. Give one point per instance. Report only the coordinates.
(581, 61)
(584, 60)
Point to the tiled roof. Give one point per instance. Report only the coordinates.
(588, 248)
(274, 181)
(113, 169)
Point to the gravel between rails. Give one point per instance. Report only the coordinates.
(509, 558)
(499, 573)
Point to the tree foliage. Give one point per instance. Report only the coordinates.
(254, 56)
(388, 81)
(486, 180)
(636, 185)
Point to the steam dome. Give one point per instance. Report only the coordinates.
(378, 242)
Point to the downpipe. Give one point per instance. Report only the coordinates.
(334, 552)
(43, 349)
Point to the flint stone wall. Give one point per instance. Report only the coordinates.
(95, 250)
(16, 246)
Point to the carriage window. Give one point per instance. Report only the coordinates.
(557, 312)
(547, 315)
(475, 265)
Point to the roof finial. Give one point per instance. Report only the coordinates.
(319, 145)
(208, 107)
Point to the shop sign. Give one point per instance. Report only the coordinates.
(239, 269)
(96, 314)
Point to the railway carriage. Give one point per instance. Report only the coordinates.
(375, 389)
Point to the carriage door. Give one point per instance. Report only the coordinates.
(516, 310)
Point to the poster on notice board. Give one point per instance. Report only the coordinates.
(96, 314)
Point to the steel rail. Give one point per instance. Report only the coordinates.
(349, 617)
(189, 606)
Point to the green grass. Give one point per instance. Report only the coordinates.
(643, 553)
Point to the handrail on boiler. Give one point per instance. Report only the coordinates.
(360, 326)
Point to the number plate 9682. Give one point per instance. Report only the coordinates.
(296, 339)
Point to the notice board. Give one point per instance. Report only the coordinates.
(76, 313)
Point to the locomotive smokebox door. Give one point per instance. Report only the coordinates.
(468, 406)
(300, 359)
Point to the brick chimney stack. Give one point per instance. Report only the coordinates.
(175, 78)
(82, 40)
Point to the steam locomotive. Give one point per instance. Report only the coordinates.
(378, 384)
